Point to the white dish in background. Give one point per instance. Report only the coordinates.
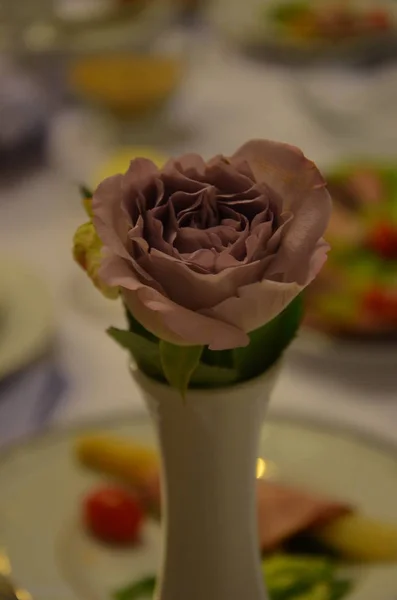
(319, 346)
(45, 506)
(242, 24)
(26, 317)
(355, 107)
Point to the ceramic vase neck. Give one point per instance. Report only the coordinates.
(209, 446)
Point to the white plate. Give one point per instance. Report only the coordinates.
(325, 348)
(51, 555)
(26, 317)
(242, 24)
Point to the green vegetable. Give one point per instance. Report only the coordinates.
(340, 589)
(290, 577)
(288, 11)
(137, 591)
(320, 591)
(287, 578)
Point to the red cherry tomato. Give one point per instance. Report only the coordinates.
(113, 515)
(375, 301)
(383, 240)
(381, 304)
(379, 20)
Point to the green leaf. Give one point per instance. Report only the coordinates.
(179, 364)
(269, 342)
(340, 589)
(85, 192)
(207, 376)
(288, 11)
(137, 591)
(217, 358)
(145, 352)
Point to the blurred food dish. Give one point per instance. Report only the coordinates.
(288, 517)
(26, 328)
(92, 12)
(77, 565)
(121, 55)
(306, 21)
(307, 31)
(127, 84)
(355, 296)
(129, 71)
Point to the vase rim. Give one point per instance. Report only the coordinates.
(271, 373)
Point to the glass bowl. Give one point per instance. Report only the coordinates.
(124, 57)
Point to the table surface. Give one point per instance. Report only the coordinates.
(226, 101)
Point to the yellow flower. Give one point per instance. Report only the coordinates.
(87, 252)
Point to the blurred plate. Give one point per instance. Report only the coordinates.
(26, 318)
(247, 26)
(359, 53)
(354, 108)
(70, 565)
(325, 348)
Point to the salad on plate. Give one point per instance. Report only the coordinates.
(308, 542)
(329, 22)
(356, 294)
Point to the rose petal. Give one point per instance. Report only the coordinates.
(255, 305)
(173, 323)
(142, 189)
(194, 290)
(227, 244)
(283, 167)
(109, 221)
(301, 234)
(224, 176)
(190, 240)
(187, 165)
(116, 271)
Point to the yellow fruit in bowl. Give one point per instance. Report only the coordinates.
(126, 84)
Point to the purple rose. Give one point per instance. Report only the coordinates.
(205, 252)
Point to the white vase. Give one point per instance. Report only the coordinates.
(209, 445)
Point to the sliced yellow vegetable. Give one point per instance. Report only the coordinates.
(132, 463)
(126, 84)
(360, 539)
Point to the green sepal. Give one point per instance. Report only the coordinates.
(268, 343)
(179, 364)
